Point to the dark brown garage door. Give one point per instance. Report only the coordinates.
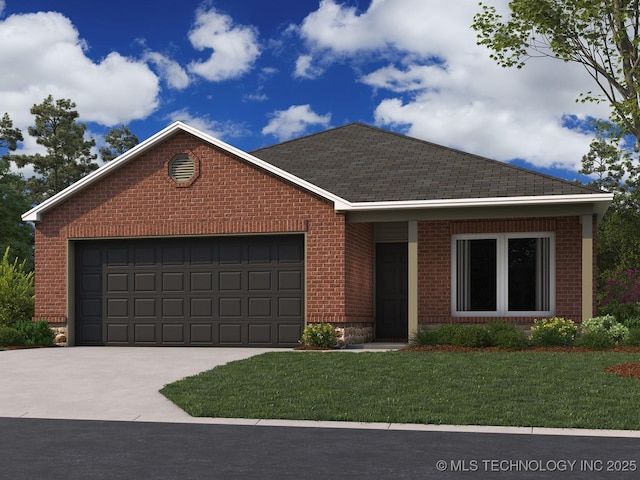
(245, 291)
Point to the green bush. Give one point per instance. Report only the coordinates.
(555, 331)
(424, 337)
(463, 335)
(10, 337)
(596, 340)
(16, 291)
(35, 333)
(631, 322)
(607, 324)
(622, 311)
(633, 339)
(509, 340)
(322, 335)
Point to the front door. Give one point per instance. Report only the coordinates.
(391, 291)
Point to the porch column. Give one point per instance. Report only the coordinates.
(587, 266)
(413, 276)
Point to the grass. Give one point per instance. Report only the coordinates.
(543, 389)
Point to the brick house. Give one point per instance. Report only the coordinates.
(185, 240)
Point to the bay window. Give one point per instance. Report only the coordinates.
(503, 274)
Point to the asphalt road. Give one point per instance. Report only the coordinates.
(82, 450)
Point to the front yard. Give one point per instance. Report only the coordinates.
(527, 388)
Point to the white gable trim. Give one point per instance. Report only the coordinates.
(35, 214)
(600, 201)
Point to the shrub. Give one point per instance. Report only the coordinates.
(424, 337)
(608, 325)
(633, 339)
(463, 335)
(596, 340)
(631, 322)
(16, 291)
(35, 333)
(509, 340)
(322, 335)
(555, 331)
(10, 337)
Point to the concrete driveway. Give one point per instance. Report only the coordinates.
(103, 383)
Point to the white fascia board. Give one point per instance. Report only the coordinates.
(35, 214)
(596, 198)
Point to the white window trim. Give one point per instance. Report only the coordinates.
(503, 274)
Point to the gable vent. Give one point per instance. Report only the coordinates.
(182, 168)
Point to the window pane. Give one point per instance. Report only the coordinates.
(476, 275)
(528, 286)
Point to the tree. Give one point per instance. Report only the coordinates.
(14, 232)
(120, 139)
(602, 36)
(68, 155)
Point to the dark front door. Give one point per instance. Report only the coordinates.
(391, 291)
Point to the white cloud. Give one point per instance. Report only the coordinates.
(235, 48)
(219, 130)
(444, 88)
(305, 68)
(2, 5)
(42, 54)
(286, 124)
(170, 70)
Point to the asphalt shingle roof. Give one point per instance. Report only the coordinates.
(360, 163)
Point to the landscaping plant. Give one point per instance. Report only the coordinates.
(10, 337)
(319, 335)
(551, 332)
(16, 291)
(35, 333)
(606, 326)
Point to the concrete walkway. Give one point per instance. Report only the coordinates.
(123, 383)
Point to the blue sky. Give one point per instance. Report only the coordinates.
(254, 73)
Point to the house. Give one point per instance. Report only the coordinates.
(186, 240)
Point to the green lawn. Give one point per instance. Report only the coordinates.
(543, 389)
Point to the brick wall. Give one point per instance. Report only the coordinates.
(228, 197)
(434, 267)
(359, 272)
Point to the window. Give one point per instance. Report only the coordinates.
(503, 274)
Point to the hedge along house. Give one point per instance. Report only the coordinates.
(185, 240)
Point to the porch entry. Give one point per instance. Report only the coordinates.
(392, 291)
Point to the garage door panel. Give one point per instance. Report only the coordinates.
(117, 282)
(173, 307)
(117, 256)
(260, 333)
(201, 307)
(201, 334)
(259, 280)
(201, 282)
(118, 333)
(117, 307)
(173, 282)
(145, 282)
(173, 333)
(145, 307)
(289, 307)
(230, 307)
(230, 334)
(289, 333)
(260, 307)
(190, 291)
(144, 333)
(229, 281)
